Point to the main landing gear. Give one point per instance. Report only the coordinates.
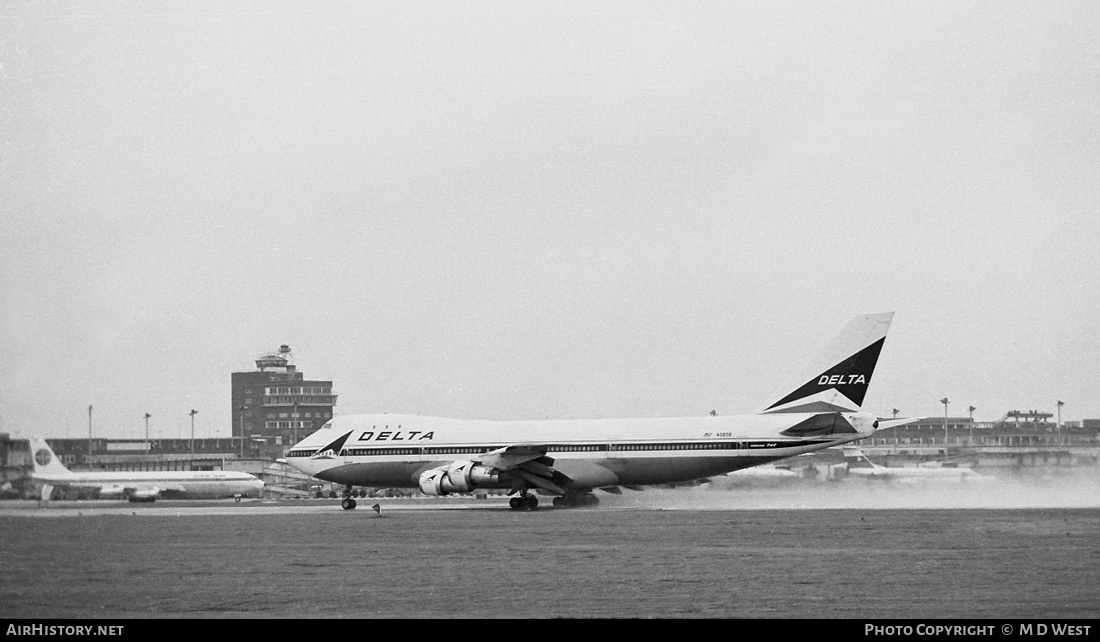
(348, 503)
(525, 501)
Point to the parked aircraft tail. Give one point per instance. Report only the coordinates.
(837, 380)
(46, 463)
(46, 468)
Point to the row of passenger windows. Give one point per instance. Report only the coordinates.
(363, 452)
(477, 450)
(728, 445)
(456, 450)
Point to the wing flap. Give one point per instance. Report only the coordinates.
(509, 457)
(527, 463)
(539, 481)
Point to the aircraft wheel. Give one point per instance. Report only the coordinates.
(515, 503)
(559, 501)
(238, 499)
(530, 502)
(348, 504)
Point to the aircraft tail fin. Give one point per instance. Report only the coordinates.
(837, 380)
(46, 464)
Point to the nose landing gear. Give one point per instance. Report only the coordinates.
(348, 503)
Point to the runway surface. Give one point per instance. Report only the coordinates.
(685, 553)
(1079, 489)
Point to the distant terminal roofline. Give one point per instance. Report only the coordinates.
(1025, 416)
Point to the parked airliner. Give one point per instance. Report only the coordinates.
(860, 466)
(143, 486)
(570, 458)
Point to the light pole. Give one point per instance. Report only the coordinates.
(241, 409)
(944, 401)
(1058, 426)
(971, 409)
(193, 413)
(147, 446)
(89, 434)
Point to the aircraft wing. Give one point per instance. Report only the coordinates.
(75, 484)
(138, 490)
(521, 466)
(527, 462)
(162, 487)
(511, 456)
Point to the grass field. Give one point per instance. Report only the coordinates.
(262, 559)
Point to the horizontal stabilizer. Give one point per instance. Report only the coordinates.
(894, 423)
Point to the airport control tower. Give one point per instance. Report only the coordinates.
(275, 405)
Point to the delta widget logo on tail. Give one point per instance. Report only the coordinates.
(836, 380)
(849, 377)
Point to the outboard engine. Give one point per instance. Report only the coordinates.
(457, 477)
(143, 495)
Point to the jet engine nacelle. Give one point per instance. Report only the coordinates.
(457, 477)
(143, 495)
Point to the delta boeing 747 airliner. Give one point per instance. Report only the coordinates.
(568, 459)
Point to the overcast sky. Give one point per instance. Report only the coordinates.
(543, 209)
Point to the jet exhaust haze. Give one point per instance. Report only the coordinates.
(1062, 488)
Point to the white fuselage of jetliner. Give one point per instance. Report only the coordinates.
(385, 450)
(169, 484)
(148, 485)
